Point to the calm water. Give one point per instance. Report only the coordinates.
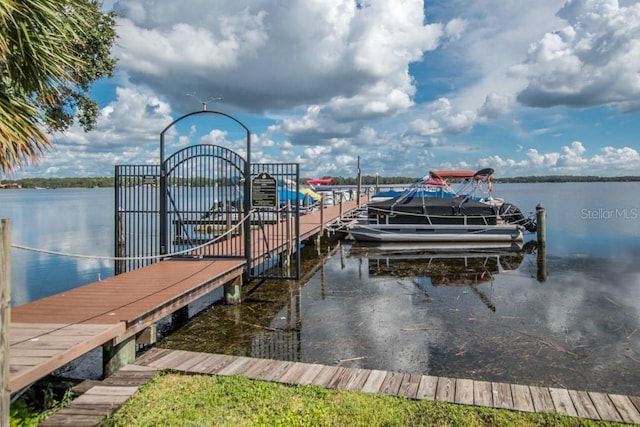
(569, 318)
(77, 221)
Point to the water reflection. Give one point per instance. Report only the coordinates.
(470, 314)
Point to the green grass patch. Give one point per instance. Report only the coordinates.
(203, 400)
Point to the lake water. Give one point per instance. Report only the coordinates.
(570, 318)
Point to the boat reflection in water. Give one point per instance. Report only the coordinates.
(440, 265)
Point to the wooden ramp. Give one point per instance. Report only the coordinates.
(597, 406)
(107, 396)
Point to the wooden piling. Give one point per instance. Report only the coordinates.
(321, 216)
(229, 222)
(541, 261)
(541, 216)
(233, 291)
(5, 318)
(121, 264)
(116, 356)
(288, 224)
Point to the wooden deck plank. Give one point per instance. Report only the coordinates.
(22, 375)
(293, 375)
(374, 381)
(257, 368)
(583, 404)
(325, 375)
(340, 378)
(311, 372)
(427, 387)
(391, 383)
(236, 366)
(279, 369)
(541, 397)
(261, 371)
(190, 361)
(562, 401)
(464, 391)
(214, 364)
(636, 401)
(605, 407)
(522, 400)
(168, 360)
(410, 385)
(358, 380)
(626, 408)
(482, 393)
(446, 390)
(502, 397)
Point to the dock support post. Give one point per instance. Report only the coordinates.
(541, 222)
(541, 261)
(229, 223)
(148, 336)
(121, 264)
(5, 318)
(321, 216)
(233, 291)
(116, 356)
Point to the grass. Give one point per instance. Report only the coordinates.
(38, 403)
(200, 400)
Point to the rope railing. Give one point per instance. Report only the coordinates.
(140, 258)
(386, 211)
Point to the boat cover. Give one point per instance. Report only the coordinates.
(435, 210)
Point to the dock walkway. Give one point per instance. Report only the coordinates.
(105, 398)
(46, 334)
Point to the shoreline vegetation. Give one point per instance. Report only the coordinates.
(368, 180)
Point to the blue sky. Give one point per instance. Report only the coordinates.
(406, 85)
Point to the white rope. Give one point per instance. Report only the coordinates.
(110, 258)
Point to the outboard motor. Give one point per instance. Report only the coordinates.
(513, 215)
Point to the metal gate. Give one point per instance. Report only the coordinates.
(203, 203)
(137, 216)
(198, 204)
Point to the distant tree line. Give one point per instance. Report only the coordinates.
(371, 180)
(105, 182)
(61, 182)
(569, 178)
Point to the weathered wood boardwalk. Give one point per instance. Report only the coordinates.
(47, 334)
(591, 405)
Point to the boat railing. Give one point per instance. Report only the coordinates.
(466, 218)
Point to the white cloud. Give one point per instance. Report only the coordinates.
(455, 28)
(324, 82)
(593, 61)
(260, 55)
(571, 159)
(127, 131)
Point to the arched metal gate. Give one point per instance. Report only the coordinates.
(199, 196)
(203, 187)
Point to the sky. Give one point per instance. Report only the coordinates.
(550, 87)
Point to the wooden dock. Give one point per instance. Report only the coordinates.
(46, 334)
(107, 397)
